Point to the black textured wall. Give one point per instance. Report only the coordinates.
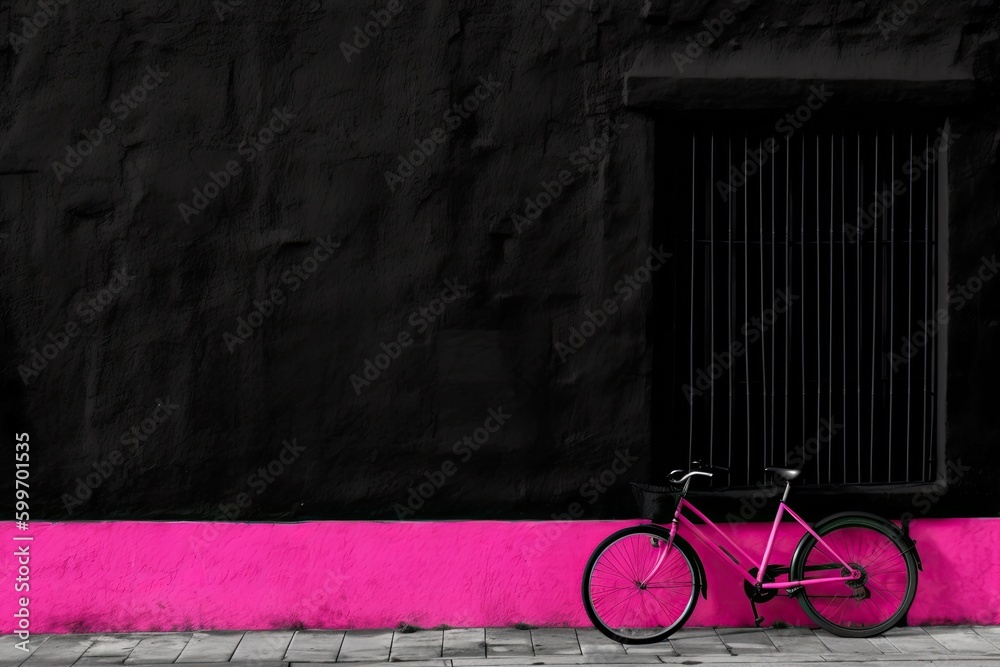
(256, 264)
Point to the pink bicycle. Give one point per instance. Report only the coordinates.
(855, 574)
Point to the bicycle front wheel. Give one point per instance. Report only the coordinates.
(639, 590)
(867, 606)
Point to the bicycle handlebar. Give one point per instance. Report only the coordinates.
(683, 479)
(697, 470)
(699, 465)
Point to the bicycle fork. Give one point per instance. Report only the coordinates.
(663, 554)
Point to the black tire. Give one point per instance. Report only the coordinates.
(683, 561)
(857, 609)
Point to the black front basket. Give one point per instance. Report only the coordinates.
(656, 503)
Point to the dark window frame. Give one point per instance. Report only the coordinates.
(663, 97)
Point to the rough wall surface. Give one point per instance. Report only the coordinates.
(229, 312)
(330, 574)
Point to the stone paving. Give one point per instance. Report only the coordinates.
(508, 647)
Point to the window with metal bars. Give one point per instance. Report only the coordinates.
(803, 298)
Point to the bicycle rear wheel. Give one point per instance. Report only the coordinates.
(870, 605)
(636, 589)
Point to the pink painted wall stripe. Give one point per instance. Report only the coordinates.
(148, 576)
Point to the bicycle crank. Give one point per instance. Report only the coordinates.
(757, 593)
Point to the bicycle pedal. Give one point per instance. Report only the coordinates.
(757, 621)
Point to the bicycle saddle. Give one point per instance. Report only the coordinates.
(787, 474)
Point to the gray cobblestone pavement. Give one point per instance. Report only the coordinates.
(508, 647)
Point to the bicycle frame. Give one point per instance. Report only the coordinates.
(741, 566)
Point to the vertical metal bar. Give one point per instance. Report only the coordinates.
(802, 257)
(829, 447)
(934, 184)
(774, 287)
(694, 140)
(892, 288)
(819, 330)
(711, 297)
(871, 449)
(843, 290)
(763, 345)
(788, 279)
(860, 243)
(746, 298)
(909, 313)
(927, 271)
(729, 302)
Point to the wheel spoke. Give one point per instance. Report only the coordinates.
(612, 567)
(610, 590)
(622, 562)
(664, 603)
(623, 601)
